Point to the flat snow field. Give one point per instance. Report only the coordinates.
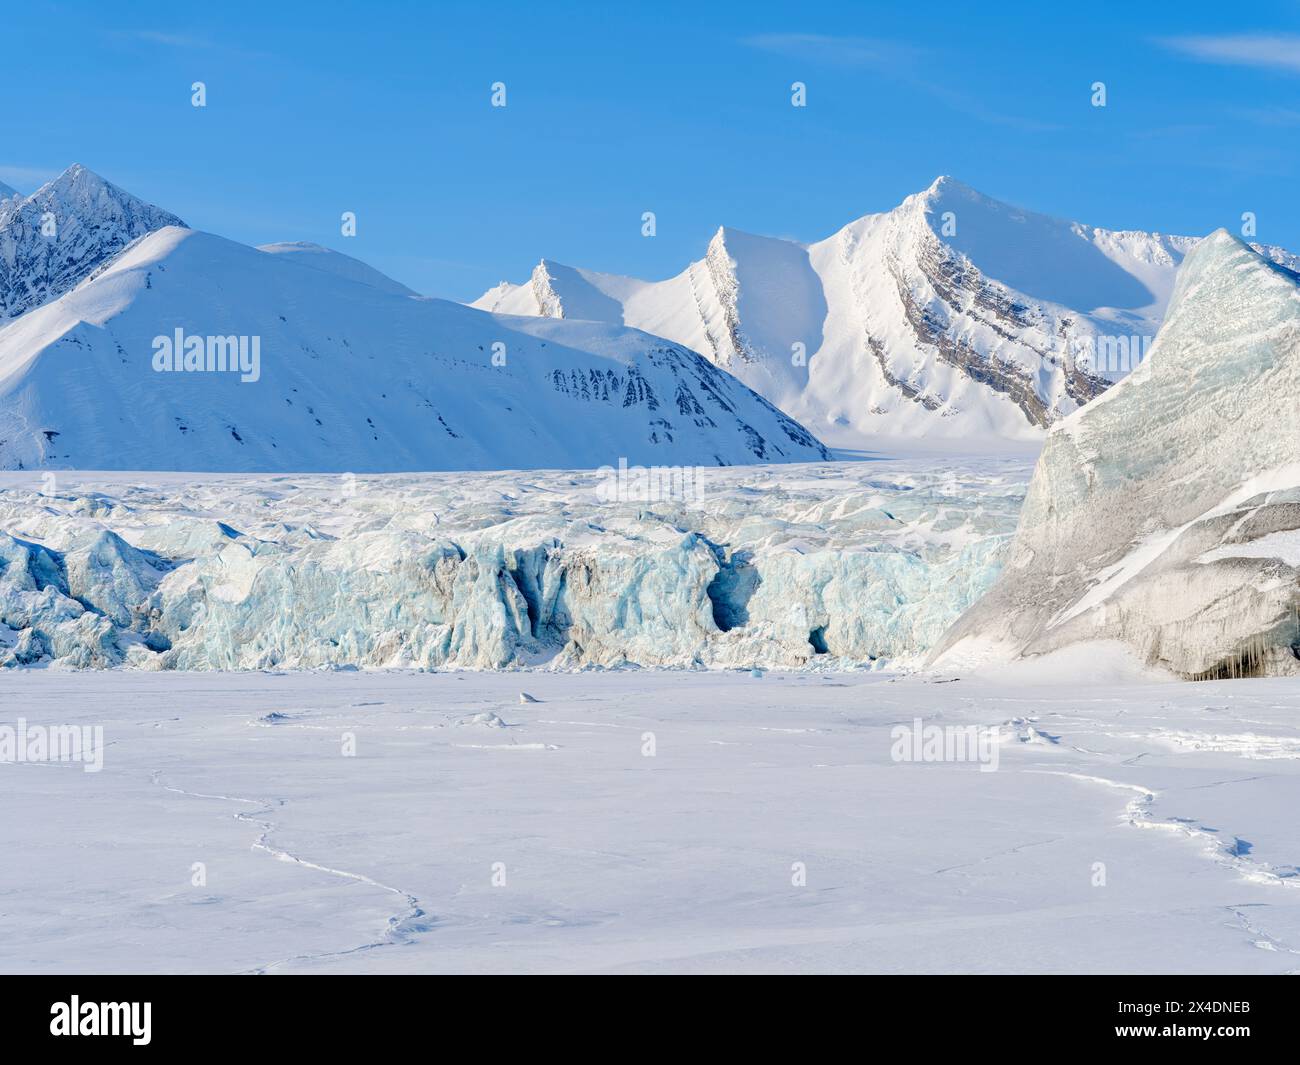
(543, 839)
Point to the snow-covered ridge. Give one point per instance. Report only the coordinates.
(61, 233)
(827, 565)
(1164, 513)
(354, 374)
(335, 262)
(951, 315)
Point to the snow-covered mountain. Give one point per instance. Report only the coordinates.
(1166, 514)
(951, 315)
(341, 372)
(61, 233)
(7, 192)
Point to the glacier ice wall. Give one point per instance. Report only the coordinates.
(839, 565)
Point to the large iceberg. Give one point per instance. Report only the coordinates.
(1166, 513)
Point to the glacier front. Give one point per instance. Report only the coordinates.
(835, 565)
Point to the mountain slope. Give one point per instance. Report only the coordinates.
(335, 262)
(350, 377)
(91, 221)
(951, 315)
(1166, 514)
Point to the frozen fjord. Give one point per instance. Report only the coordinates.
(613, 861)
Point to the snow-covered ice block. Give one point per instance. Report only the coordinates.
(1165, 513)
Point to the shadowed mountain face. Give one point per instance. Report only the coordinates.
(952, 315)
(1053, 259)
(53, 239)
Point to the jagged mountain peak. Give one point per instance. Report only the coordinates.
(726, 233)
(63, 232)
(75, 175)
(79, 186)
(741, 241)
(560, 291)
(943, 193)
(947, 185)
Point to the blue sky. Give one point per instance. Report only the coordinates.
(681, 109)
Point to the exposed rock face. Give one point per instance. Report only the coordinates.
(1166, 514)
(59, 235)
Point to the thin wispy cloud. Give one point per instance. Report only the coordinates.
(165, 38)
(834, 51)
(897, 56)
(1179, 131)
(1267, 116)
(971, 107)
(174, 40)
(1270, 51)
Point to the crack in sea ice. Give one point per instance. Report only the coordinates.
(400, 926)
(1137, 812)
(1264, 940)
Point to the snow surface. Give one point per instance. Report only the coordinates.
(823, 565)
(1284, 546)
(997, 327)
(1165, 513)
(611, 861)
(354, 375)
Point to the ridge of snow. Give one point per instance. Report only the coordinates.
(318, 257)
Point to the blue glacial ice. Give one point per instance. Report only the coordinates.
(828, 565)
